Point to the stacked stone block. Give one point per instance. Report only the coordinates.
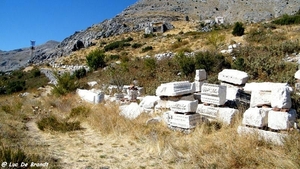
(213, 94)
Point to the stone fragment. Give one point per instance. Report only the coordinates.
(282, 120)
(256, 117)
(273, 137)
(200, 75)
(92, 96)
(260, 98)
(215, 100)
(149, 102)
(264, 86)
(182, 120)
(208, 111)
(233, 76)
(226, 115)
(175, 88)
(184, 106)
(131, 111)
(281, 98)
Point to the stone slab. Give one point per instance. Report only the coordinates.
(265, 86)
(282, 120)
(256, 117)
(182, 120)
(227, 115)
(184, 106)
(213, 89)
(209, 111)
(281, 98)
(275, 138)
(215, 100)
(260, 98)
(175, 88)
(233, 76)
(200, 75)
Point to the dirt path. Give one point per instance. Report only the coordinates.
(88, 149)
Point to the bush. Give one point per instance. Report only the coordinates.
(117, 45)
(147, 48)
(95, 59)
(238, 29)
(136, 45)
(80, 73)
(186, 64)
(53, 124)
(65, 84)
(288, 20)
(15, 86)
(80, 111)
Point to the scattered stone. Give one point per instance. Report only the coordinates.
(92, 96)
(131, 111)
(153, 120)
(92, 84)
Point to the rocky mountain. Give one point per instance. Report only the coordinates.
(15, 59)
(159, 14)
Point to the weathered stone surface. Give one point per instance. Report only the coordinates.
(216, 100)
(226, 115)
(260, 98)
(213, 89)
(92, 96)
(231, 93)
(131, 111)
(265, 86)
(281, 98)
(297, 74)
(208, 111)
(149, 102)
(198, 86)
(184, 106)
(257, 117)
(200, 75)
(182, 120)
(233, 76)
(282, 120)
(275, 138)
(175, 88)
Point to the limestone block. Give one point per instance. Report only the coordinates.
(175, 88)
(149, 102)
(198, 86)
(260, 98)
(163, 104)
(213, 89)
(231, 93)
(216, 100)
(226, 115)
(233, 76)
(282, 120)
(183, 121)
(200, 75)
(92, 96)
(281, 98)
(265, 86)
(131, 111)
(208, 111)
(273, 137)
(297, 74)
(257, 117)
(184, 106)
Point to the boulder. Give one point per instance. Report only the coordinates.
(256, 117)
(233, 76)
(131, 111)
(281, 98)
(282, 120)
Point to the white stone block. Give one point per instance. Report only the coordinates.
(175, 88)
(92, 96)
(208, 111)
(281, 98)
(233, 76)
(226, 115)
(273, 137)
(257, 117)
(200, 75)
(198, 86)
(297, 74)
(131, 111)
(149, 102)
(183, 121)
(213, 89)
(216, 100)
(260, 98)
(184, 106)
(231, 93)
(282, 120)
(265, 86)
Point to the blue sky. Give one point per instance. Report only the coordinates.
(43, 20)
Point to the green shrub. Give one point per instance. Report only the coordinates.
(15, 86)
(116, 45)
(53, 124)
(136, 45)
(149, 35)
(239, 64)
(256, 35)
(238, 29)
(288, 20)
(96, 59)
(66, 83)
(186, 63)
(147, 48)
(79, 111)
(36, 72)
(80, 73)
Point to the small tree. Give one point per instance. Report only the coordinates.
(95, 59)
(238, 29)
(65, 83)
